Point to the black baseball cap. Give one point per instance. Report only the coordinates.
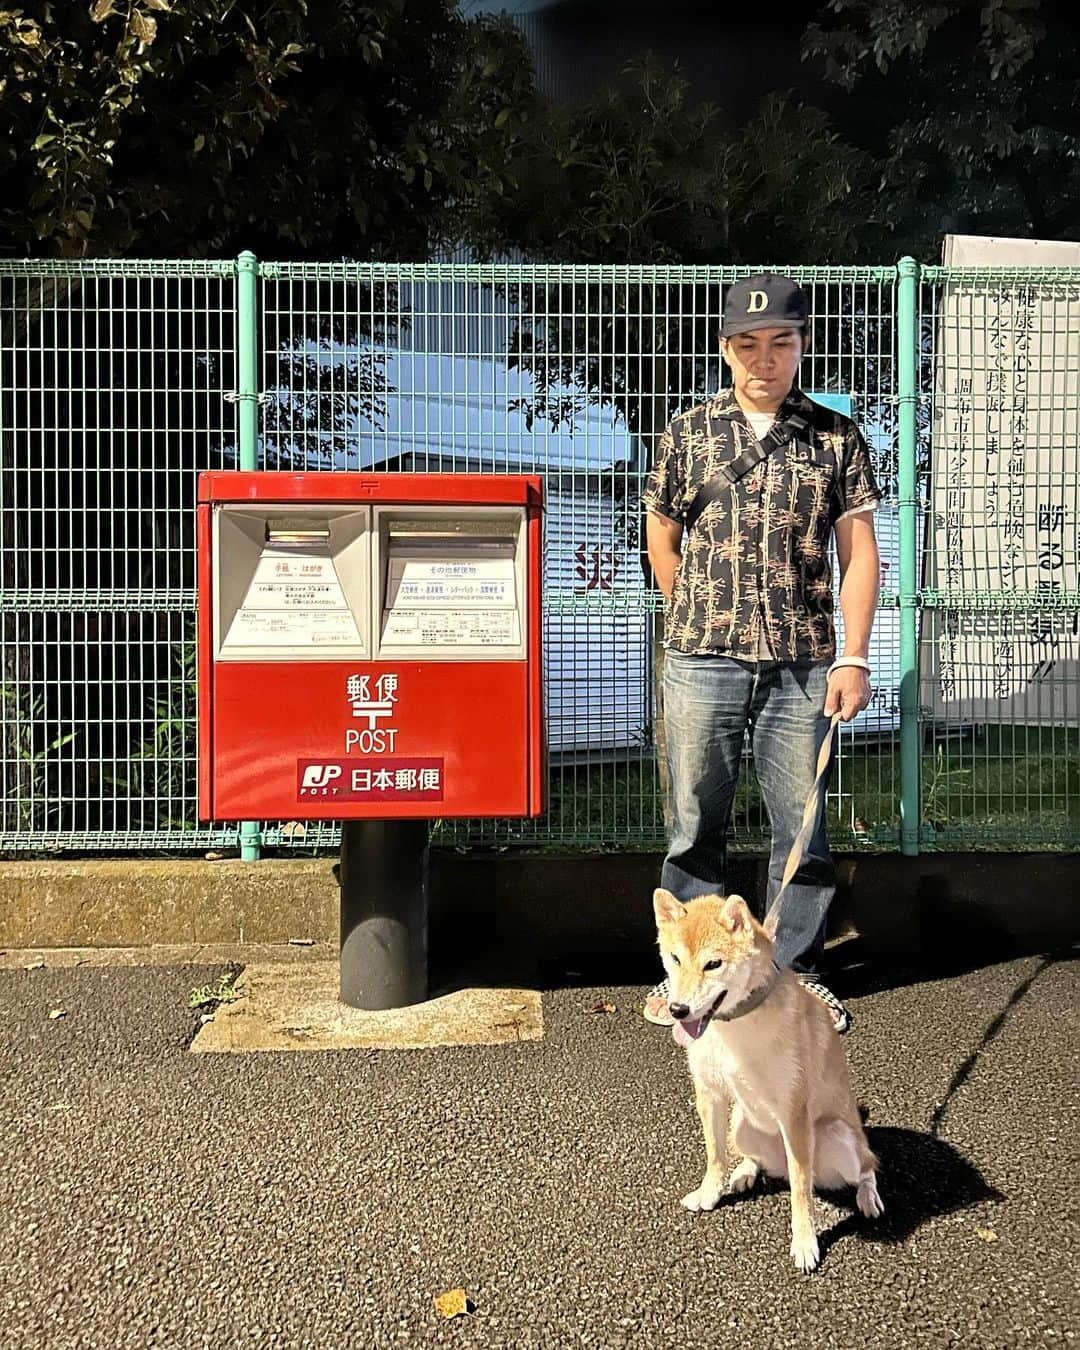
(763, 301)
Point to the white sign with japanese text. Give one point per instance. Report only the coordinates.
(452, 628)
(464, 598)
(1005, 493)
(473, 583)
(295, 596)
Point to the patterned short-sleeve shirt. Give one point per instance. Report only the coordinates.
(755, 571)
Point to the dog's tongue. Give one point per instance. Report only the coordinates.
(686, 1033)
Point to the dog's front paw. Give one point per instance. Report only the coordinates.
(805, 1253)
(867, 1198)
(707, 1196)
(743, 1177)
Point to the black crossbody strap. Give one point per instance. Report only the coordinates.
(729, 474)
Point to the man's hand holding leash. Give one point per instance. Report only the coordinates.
(848, 689)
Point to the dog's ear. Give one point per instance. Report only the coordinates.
(666, 908)
(736, 914)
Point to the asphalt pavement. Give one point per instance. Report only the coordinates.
(153, 1197)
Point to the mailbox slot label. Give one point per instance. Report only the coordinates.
(451, 628)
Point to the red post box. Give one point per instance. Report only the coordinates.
(369, 646)
(370, 652)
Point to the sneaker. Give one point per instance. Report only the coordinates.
(842, 1019)
(656, 1005)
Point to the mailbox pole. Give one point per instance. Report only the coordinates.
(247, 395)
(384, 913)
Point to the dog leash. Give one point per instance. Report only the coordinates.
(798, 851)
(810, 811)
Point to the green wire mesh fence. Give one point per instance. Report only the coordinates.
(119, 382)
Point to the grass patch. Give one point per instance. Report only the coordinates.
(1000, 786)
(210, 995)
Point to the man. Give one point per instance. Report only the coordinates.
(738, 532)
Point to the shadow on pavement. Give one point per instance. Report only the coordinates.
(993, 1027)
(857, 967)
(921, 1178)
(539, 932)
(457, 961)
(461, 954)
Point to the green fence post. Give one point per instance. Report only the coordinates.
(907, 338)
(247, 390)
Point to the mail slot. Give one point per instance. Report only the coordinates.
(369, 646)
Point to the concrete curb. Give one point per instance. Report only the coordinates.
(134, 902)
(1006, 902)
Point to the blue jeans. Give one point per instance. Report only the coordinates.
(708, 703)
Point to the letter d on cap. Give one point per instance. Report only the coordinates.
(757, 302)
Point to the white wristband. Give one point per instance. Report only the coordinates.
(857, 661)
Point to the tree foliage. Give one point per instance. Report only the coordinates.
(973, 107)
(642, 174)
(151, 127)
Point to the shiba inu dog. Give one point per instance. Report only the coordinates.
(761, 1050)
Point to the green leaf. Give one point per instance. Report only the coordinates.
(143, 27)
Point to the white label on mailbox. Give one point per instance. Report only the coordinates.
(286, 628)
(452, 628)
(288, 577)
(295, 597)
(452, 583)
